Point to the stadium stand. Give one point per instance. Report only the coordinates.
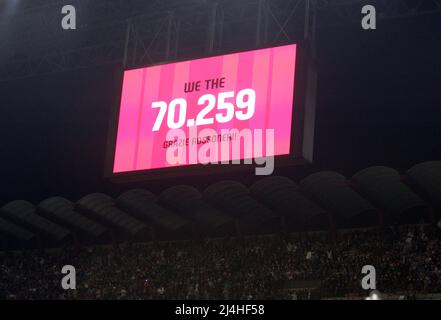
(292, 266)
(279, 265)
(270, 205)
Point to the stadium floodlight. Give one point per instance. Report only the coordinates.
(374, 295)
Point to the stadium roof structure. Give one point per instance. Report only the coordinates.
(143, 205)
(24, 214)
(235, 199)
(383, 187)
(426, 178)
(102, 207)
(61, 211)
(271, 204)
(282, 195)
(332, 191)
(13, 235)
(139, 32)
(188, 201)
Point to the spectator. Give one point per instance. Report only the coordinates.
(252, 268)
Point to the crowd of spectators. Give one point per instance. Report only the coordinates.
(407, 259)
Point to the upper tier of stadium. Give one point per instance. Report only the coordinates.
(324, 200)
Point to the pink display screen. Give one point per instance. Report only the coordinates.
(211, 110)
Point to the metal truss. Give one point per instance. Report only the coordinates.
(139, 32)
(332, 13)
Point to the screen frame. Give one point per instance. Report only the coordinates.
(297, 123)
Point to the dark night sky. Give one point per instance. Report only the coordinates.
(379, 103)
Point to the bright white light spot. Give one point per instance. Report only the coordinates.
(373, 296)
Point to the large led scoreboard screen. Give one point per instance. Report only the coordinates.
(210, 110)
